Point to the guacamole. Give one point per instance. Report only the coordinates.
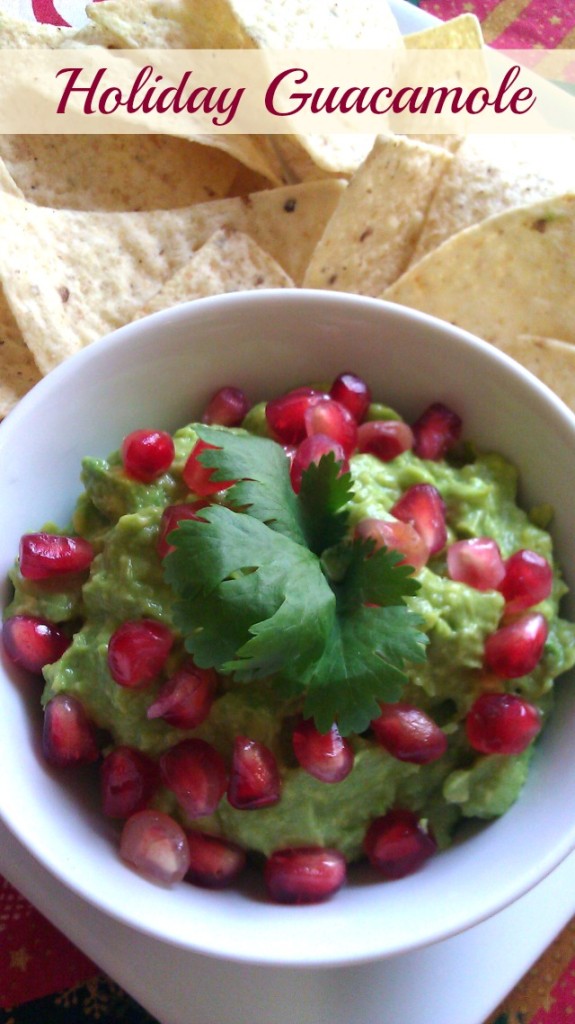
(121, 517)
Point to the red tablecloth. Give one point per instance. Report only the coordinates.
(43, 978)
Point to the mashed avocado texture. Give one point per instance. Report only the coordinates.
(121, 517)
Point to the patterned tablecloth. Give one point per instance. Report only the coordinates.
(43, 978)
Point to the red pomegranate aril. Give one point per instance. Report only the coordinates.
(396, 844)
(128, 779)
(31, 642)
(286, 415)
(476, 562)
(185, 699)
(311, 449)
(306, 874)
(214, 862)
(45, 555)
(351, 391)
(200, 478)
(254, 777)
(196, 773)
(334, 420)
(436, 431)
(423, 507)
(327, 756)
(156, 845)
(502, 723)
(226, 408)
(137, 651)
(172, 516)
(146, 454)
(515, 649)
(528, 580)
(386, 439)
(68, 737)
(398, 536)
(408, 734)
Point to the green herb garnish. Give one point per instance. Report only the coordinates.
(272, 585)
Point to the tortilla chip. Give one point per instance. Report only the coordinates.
(273, 25)
(228, 262)
(171, 24)
(18, 33)
(245, 181)
(71, 276)
(241, 24)
(184, 25)
(7, 183)
(116, 172)
(460, 33)
(493, 173)
(510, 275)
(369, 240)
(279, 25)
(311, 157)
(18, 371)
(551, 360)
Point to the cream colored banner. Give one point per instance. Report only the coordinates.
(179, 92)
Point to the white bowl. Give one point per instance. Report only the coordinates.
(160, 371)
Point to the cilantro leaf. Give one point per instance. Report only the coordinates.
(374, 577)
(254, 598)
(261, 468)
(363, 662)
(273, 587)
(324, 494)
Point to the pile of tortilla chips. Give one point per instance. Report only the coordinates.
(98, 231)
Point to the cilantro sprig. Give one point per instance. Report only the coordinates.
(271, 585)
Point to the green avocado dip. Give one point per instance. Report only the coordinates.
(346, 626)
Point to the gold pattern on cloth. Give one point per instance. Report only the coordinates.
(501, 17)
(534, 996)
(568, 41)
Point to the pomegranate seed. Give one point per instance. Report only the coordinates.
(227, 407)
(397, 844)
(185, 699)
(146, 454)
(128, 779)
(43, 555)
(286, 415)
(409, 734)
(171, 517)
(156, 845)
(214, 862)
(195, 772)
(436, 431)
(334, 420)
(305, 874)
(31, 642)
(311, 449)
(423, 507)
(476, 562)
(386, 439)
(199, 477)
(137, 651)
(502, 723)
(326, 756)
(254, 776)
(352, 392)
(528, 580)
(515, 649)
(69, 737)
(397, 536)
